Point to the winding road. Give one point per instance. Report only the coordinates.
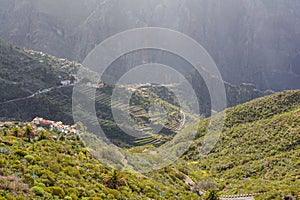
(36, 94)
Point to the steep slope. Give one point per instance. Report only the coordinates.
(257, 152)
(47, 168)
(25, 73)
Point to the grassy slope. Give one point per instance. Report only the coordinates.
(258, 150)
(47, 169)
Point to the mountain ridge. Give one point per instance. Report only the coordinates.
(250, 41)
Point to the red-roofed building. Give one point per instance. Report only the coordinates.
(45, 123)
(66, 82)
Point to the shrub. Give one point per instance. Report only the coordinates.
(102, 195)
(56, 168)
(110, 196)
(28, 132)
(20, 153)
(72, 171)
(3, 163)
(48, 177)
(43, 135)
(28, 179)
(4, 150)
(57, 191)
(72, 192)
(74, 196)
(18, 167)
(37, 158)
(68, 183)
(39, 191)
(39, 184)
(30, 159)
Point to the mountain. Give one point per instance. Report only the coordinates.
(251, 41)
(257, 152)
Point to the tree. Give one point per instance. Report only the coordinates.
(114, 179)
(211, 195)
(5, 132)
(28, 132)
(72, 79)
(16, 131)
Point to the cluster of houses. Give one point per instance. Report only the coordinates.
(40, 123)
(61, 62)
(64, 63)
(5, 124)
(35, 53)
(66, 82)
(99, 86)
(89, 84)
(136, 87)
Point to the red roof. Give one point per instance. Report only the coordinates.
(46, 122)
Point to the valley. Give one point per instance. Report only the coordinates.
(149, 100)
(257, 154)
(38, 91)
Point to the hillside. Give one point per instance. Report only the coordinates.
(258, 151)
(53, 166)
(31, 85)
(24, 72)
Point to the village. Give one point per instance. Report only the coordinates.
(40, 124)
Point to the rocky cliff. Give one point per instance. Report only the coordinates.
(256, 41)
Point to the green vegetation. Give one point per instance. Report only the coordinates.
(23, 74)
(47, 169)
(211, 195)
(258, 151)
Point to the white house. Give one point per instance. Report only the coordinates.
(65, 82)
